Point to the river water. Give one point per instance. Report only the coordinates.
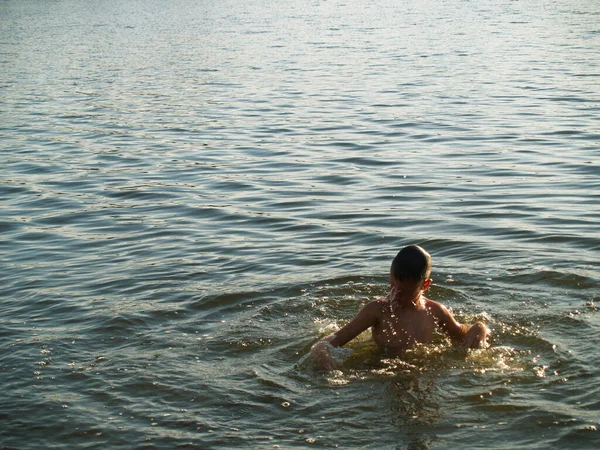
(193, 192)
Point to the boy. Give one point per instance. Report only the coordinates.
(406, 317)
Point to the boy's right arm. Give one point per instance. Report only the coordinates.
(366, 318)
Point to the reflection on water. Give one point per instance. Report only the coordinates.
(412, 404)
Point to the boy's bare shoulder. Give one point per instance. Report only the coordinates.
(436, 308)
(379, 305)
(377, 308)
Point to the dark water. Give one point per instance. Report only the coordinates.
(194, 191)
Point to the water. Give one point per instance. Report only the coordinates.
(193, 192)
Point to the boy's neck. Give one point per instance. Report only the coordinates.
(410, 302)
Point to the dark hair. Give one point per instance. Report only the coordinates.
(412, 263)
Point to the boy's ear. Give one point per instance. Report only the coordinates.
(427, 283)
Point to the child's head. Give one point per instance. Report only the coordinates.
(412, 263)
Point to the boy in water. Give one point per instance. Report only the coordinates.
(406, 317)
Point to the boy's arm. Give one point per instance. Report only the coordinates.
(367, 317)
(320, 351)
(474, 336)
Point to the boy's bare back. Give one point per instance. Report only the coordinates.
(397, 328)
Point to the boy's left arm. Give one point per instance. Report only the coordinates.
(474, 336)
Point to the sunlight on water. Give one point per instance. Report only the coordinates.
(194, 193)
(353, 360)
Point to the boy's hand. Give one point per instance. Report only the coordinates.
(320, 352)
(476, 336)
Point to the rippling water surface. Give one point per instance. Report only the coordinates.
(194, 191)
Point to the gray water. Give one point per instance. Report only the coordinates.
(193, 192)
